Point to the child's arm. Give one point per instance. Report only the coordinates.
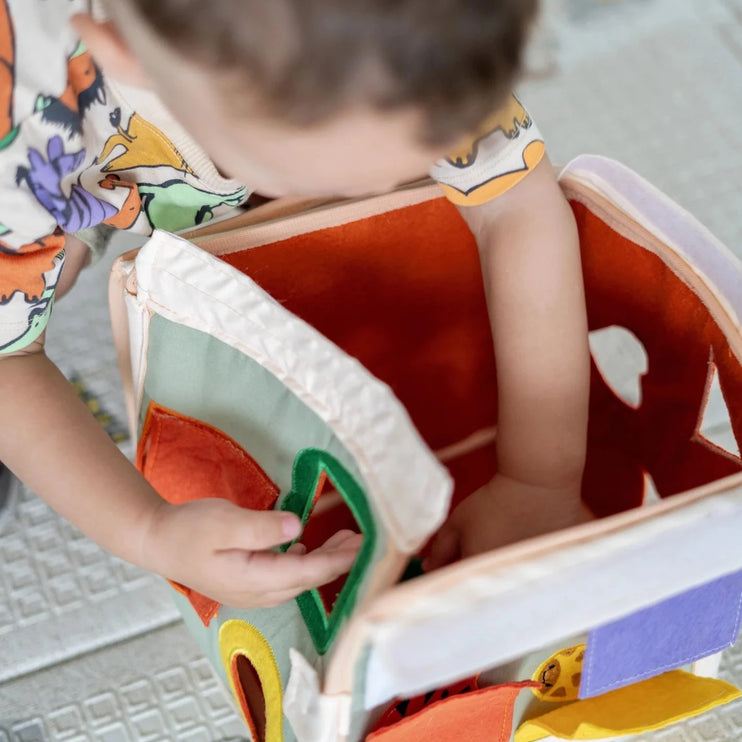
(50, 440)
(533, 279)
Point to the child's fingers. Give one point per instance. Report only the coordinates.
(444, 549)
(254, 530)
(323, 565)
(268, 578)
(344, 538)
(274, 572)
(341, 539)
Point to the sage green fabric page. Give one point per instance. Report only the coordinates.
(201, 377)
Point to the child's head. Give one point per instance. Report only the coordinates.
(319, 96)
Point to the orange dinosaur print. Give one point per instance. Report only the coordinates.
(81, 76)
(129, 210)
(84, 88)
(23, 270)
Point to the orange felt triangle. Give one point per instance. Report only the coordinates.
(403, 709)
(184, 460)
(486, 715)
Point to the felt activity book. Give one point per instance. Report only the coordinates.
(335, 360)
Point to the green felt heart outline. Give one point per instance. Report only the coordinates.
(309, 465)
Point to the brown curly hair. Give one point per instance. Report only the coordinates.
(455, 60)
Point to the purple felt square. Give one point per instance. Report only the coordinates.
(666, 636)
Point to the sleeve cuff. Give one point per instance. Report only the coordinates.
(499, 183)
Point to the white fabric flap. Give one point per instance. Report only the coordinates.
(313, 717)
(710, 259)
(482, 613)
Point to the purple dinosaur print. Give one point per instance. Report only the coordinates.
(73, 212)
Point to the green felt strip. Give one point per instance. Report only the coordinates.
(309, 465)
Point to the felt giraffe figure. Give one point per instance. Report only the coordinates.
(560, 675)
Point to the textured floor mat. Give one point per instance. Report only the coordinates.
(61, 595)
(157, 688)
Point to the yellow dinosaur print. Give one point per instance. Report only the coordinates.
(510, 119)
(144, 146)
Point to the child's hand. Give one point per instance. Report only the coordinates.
(221, 551)
(504, 511)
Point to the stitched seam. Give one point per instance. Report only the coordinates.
(209, 432)
(511, 697)
(154, 444)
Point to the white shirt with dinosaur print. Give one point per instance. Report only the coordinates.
(77, 151)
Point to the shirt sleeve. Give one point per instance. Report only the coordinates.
(31, 243)
(504, 149)
(75, 155)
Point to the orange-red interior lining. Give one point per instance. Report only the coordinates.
(403, 293)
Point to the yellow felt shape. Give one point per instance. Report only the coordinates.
(651, 704)
(253, 678)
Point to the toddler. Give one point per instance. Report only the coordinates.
(276, 97)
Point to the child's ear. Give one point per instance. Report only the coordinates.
(110, 50)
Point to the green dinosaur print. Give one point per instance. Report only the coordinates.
(176, 205)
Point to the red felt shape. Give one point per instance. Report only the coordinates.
(330, 514)
(403, 293)
(185, 460)
(633, 288)
(486, 715)
(250, 695)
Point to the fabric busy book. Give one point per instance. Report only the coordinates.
(335, 360)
